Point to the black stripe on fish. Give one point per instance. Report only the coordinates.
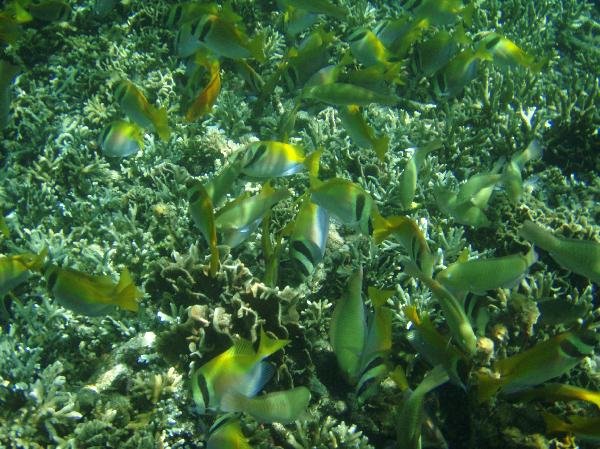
(571, 349)
(360, 206)
(260, 150)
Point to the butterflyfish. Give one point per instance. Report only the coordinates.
(238, 370)
(92, 295)
(139, 110)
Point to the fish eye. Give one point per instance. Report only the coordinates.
(360, 206)
(492, 43)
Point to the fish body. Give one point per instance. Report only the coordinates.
(220, 36)
(433, 54)
(409, 235)
(436, 348)
(202, 213)
(411, 416)
(207, 97)
(579, 256)
(367, 48)
(140, 111)
(16, 269)
(480, 275)
(121, 139)
(226, 433)
(443, 12)
(344, 94)
(559, 392)
(92, 295)
(544, 361)
(583, 427)
(513, 180)
(50, 10)
(319, 7)
(357, 338)
(272, 159)
(218, 186)
(239, 370)
(459, 72)
(279, 406)
(309, 236)
(345, 200)
(361, 133)
(8, 73)
(10, 29)
(407, 182)
(505, 52)
(242, 216)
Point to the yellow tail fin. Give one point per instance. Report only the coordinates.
(268, 345)
(127, 293)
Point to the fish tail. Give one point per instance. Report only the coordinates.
(554, 424)
(161, 124)
(381, 227)
(256, 47)
(380, 146)
(487, 386)
(312, 162)
(127, 293)
(268, 345)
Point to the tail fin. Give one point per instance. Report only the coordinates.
(161, 124)
(127, 293)
(380, 146)
(312, 162)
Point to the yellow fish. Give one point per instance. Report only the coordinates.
(226, 433)
(272, 159)
(16, 269)
(137, 108)
(92, 295)
(202, 212)
(586, 428)
(309, 236)
(240, 370)
(206, 99)
(121, 139)
(361, 133)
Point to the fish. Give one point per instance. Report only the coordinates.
(344, 94)
(272, 159)
(226, 433)
(464, 213)
(359, 339)
(202, 213)
(436, 348)
(544, 361)
(16, 269)
(407, 181)
(121, 139)
(399, 35)
(220, 184)
(411, 414)
(207, 97)
(240, 369)
(220, 35)
(102, 8)
(506, 53)
(443, 12)
(460, 71)
(16, 10)
(558, 392)
(512, 179)
(140, 111)
(92, 295)
(50, 10)
(586, 428)
(8, 73)
(367, 48)
(408, 234)
(10, 29)
(480, 275)
(239, 218)
(308, 237)
(188, 12)
(345, 200)
(278, 406)
(361, 133)
(579, 256)
(319, 7)
(458, 322)
(433, 54)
